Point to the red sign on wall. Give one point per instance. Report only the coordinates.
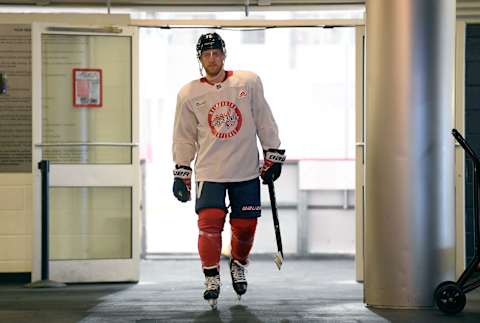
(87, 88)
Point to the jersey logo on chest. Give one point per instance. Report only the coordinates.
(224, 119)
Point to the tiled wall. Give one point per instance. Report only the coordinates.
(15, 222)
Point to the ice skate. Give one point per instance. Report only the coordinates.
(239, 282)
(212, 287)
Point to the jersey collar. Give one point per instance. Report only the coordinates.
(227, 75)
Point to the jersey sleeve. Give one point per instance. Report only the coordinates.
(267, 129)
(184, 134)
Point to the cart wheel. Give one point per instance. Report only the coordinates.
(450, 298)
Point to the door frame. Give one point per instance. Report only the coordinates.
(360, 120)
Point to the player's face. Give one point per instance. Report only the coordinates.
(212, 61)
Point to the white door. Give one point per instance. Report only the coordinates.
(85, 122)
(359, 151)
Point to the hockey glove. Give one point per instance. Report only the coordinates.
(272, 165)
(182, 182)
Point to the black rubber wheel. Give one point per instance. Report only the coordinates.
(450, 298)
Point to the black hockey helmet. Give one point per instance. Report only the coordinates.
(210, 41)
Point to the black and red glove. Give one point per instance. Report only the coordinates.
(272, 165)
(182, 182)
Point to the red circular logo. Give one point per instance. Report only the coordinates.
(224, 119)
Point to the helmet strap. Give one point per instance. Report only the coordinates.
(200, 68)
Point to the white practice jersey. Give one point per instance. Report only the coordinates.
(218, 125)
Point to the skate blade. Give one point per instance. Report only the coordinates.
(239, 298)
(278, 260)
(212, 303)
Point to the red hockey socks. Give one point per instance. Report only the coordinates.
(243, 232)
(210, 225)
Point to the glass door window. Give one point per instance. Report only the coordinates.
(90, 223)
(86, 99)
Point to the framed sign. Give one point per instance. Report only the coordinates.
(87, 88)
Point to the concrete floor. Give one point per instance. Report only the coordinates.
(171, 291)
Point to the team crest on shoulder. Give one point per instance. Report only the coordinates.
(224, 119)
(243, 93)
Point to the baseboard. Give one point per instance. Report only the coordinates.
(15, 278)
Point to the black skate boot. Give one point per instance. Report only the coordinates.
(239, 282)
(212, 286)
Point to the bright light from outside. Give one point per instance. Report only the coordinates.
(308, 76)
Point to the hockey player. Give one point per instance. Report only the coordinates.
(217, 121)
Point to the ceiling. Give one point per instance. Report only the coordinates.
(465, 8)
(460, 3)
(177, 2)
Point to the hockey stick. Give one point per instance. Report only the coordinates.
(279, 256)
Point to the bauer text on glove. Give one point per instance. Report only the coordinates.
(182, 182)
(272, 165)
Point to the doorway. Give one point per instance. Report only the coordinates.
(309, 81)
